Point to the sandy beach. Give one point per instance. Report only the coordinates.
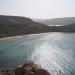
(5, 38)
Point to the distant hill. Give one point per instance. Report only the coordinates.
(57, 21)
(66, 24)
(16, 25)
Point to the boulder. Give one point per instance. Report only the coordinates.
(30, 68)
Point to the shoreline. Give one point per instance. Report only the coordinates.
(9, 37)
(5, 38)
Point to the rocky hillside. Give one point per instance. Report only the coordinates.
(28, 68)
(15, 25)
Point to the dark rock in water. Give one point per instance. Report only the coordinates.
(41, 72)
(29, 68)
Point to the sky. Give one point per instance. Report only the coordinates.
(43, 9)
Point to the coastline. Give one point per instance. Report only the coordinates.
(5, 38)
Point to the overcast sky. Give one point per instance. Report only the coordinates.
(38, 8)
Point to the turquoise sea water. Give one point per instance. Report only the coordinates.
(53, 51)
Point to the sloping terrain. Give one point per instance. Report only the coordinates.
(57, 21)
(14, 25)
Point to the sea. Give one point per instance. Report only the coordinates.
(53, 51)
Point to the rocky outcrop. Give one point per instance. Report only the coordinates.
(29, 68)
